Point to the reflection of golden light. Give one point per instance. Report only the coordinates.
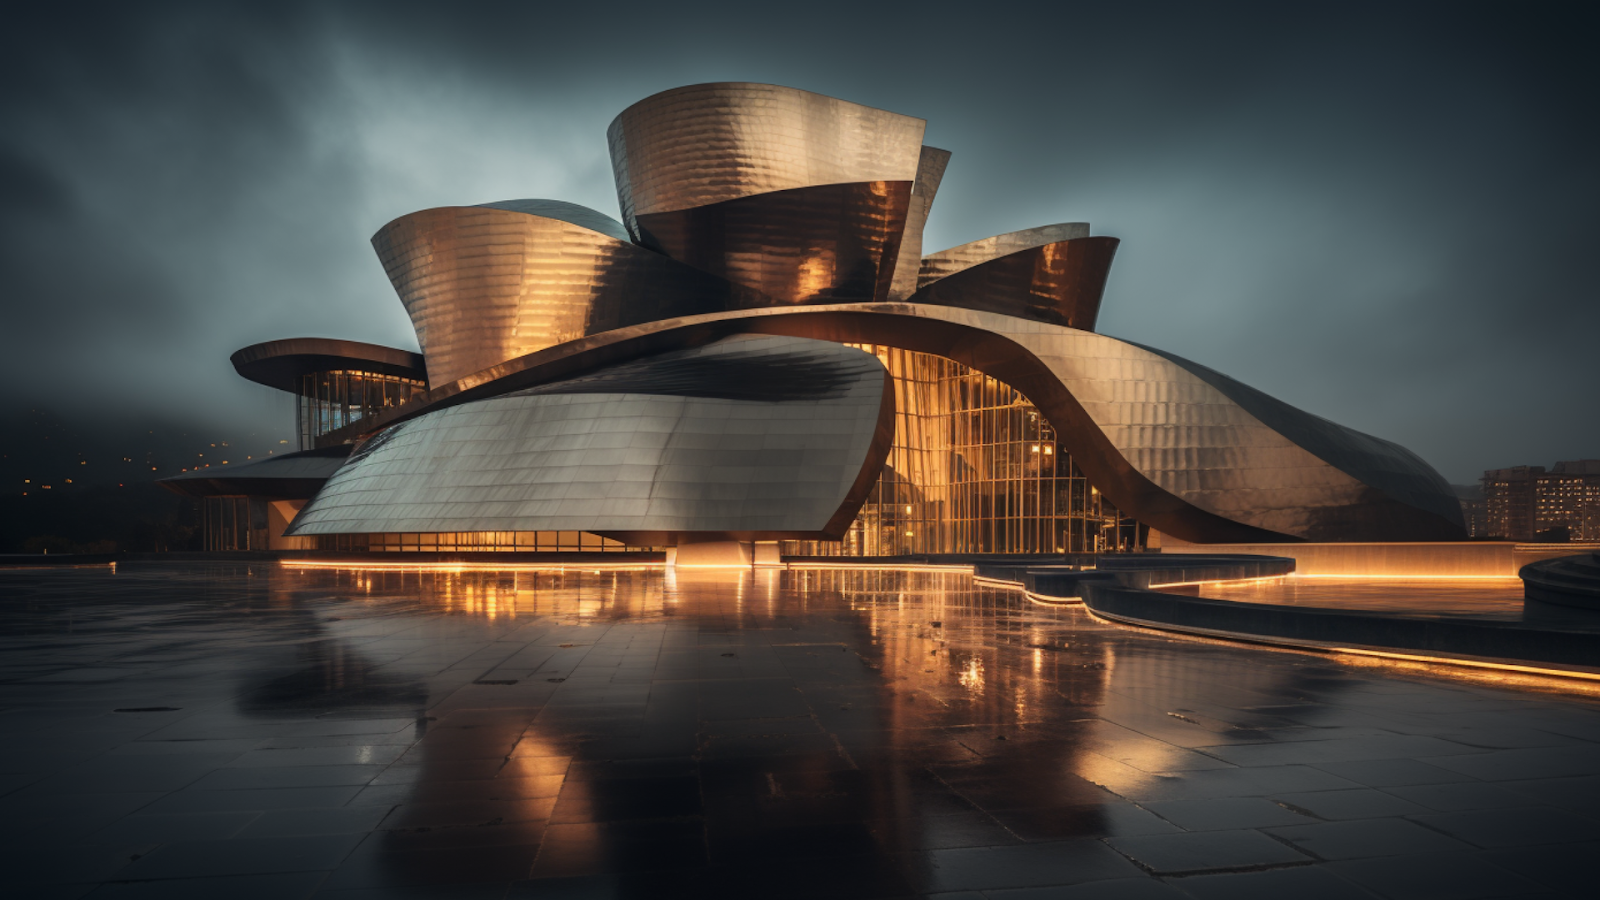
(1264, 579)
(1410, 577)
(593, 568)
(814, 275)
(1441, 665)
(971, 676)
(874, 567)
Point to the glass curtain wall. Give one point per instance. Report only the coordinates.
(975, 468)
(332, 400)
(477, 541)
(236, 523)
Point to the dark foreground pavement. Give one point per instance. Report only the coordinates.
(245, 730)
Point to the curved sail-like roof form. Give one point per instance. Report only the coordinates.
(679, 375)
(1061, 282)
(797, 196)
(720, 441)
(484, 284)
(710, 143)
(1383, 465)
(930, 172)
(948, 262)
(582, 216)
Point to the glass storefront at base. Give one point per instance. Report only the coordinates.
(475, 542)
(975, 468)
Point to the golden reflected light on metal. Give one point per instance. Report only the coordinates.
(1056, 274)
(930, 172)
(484, 285)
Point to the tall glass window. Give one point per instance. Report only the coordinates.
(332, 400)
(236, 523)
(477, 541)
(974, 468)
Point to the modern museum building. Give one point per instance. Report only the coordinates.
(762, 351)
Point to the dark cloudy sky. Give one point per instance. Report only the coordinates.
(1387, 215)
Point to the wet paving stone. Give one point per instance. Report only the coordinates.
(361, 733)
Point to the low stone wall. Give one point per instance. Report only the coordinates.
(1572, 580)
(1500, 641)
(1461, 559)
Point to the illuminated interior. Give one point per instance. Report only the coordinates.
(975, 468)
(476, 542)
(236, 523)
(331, 400)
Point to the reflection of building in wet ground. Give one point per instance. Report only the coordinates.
(768, 733)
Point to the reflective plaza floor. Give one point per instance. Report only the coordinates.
(238, 731)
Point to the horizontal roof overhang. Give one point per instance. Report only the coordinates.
(281, 364)
(293, 476)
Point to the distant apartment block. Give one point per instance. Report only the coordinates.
(1527, 503)
(1474, 510)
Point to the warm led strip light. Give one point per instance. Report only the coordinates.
(29, 567)
(920, 567)
(1296, 646)
(1402, 577)
(1226, 582)
(997, 583)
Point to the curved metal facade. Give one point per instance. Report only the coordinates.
(590, 375)
(1060, 282)
(948, 262)
(719, 441)
(485, 284)
(828, 244)
(930, 172)
(710, 143)
(797, 196)
(292, 476)
(1164, 445)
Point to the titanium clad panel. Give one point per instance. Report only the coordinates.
(709, 143)
(517, 463)
(825, 244)
(1061, 282)
(582, 216)
(948, 262)
(1382, 464)
(930, 172)
(486, 284)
